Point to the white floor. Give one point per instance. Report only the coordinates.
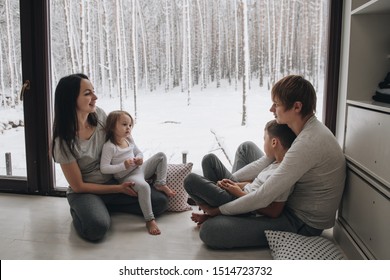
(40, 228)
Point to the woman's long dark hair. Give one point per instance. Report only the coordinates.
(65, 125)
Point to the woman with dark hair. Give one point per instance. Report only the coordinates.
(78, 138)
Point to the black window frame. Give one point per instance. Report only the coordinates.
(35, 45)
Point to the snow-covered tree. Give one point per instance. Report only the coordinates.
(127, 46)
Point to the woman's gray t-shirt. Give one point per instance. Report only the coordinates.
(87, 152)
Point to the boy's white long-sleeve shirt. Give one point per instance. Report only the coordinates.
(314, 166)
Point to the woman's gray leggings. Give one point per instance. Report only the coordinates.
(91, 212)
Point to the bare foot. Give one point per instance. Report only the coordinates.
(165, 189)
(152, 227)
(199, 218)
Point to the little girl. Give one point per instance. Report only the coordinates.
(121, 157)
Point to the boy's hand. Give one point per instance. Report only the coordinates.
(233, 188)
(223, 183)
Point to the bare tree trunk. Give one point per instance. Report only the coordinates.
(2, 92)
(90, 43)
(144, 45)
(218, 47)
(101, 34)
(270, 49)
(320, 42)
(206, 70)
(292, 36)
(278, 54)
(246, 60)
(69, 32)
(108, 53)
(167, 48)
(189, 80)
(229, 41)
(202, 64)
(11, 46)
(83, 37)
(119, 53)
(125, 63)
(185, 49)
(135, 58)
(236, 40)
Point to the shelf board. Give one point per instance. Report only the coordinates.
(373, 7)
(370, 104)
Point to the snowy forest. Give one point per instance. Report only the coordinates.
(128, 47)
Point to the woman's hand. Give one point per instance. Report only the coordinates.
(127, 188)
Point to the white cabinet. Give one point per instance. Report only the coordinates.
(365, 209)
(363, 223)
(367, 141)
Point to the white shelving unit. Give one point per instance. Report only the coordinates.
(363, 224)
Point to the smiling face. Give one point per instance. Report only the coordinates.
(86, 101)
(123, 126)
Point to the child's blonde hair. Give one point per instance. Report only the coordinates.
(111, 121)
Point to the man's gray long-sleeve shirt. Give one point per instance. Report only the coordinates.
(314, 167)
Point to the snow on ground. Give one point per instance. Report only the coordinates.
(165, 123)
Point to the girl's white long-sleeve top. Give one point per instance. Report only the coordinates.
(113, 158)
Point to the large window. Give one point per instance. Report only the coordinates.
(196, 75)
(12, 148)
(24, 64)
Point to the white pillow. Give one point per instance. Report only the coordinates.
(292, 246)
(175, 177)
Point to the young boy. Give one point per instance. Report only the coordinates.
(278, 138)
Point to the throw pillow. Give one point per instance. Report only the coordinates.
(175, 177)
(292, 246)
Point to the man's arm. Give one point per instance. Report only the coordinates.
(273, 210)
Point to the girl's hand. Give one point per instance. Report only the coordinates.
(129, 163)
(138, 161)
(127, 188)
